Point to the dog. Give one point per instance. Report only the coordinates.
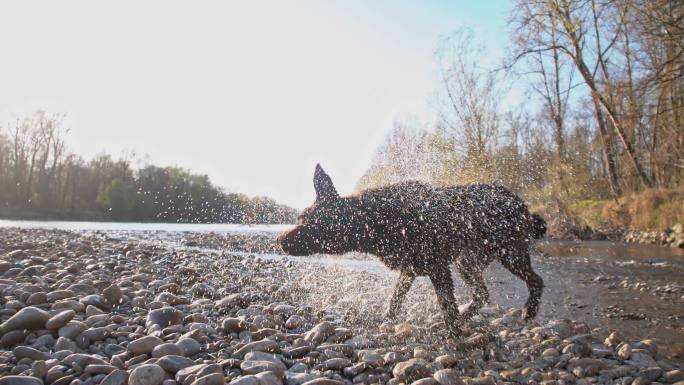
(419, 229)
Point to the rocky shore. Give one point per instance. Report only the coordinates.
(92, 309)
(671, 237)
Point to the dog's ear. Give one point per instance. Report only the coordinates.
(323, 185)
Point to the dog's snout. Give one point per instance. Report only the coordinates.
(284, 241)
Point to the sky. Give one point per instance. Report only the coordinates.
(251, 93)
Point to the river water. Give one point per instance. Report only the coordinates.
(138, 226)
(635, 289)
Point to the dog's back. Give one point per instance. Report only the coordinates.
(451, 219)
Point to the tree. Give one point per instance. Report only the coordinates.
(116, 199)
(470, 108)
(40, 179)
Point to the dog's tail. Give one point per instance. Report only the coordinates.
(537, 226)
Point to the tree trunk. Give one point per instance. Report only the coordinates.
(608, 156)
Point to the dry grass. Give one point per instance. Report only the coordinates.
(650, 210)
(654, 209)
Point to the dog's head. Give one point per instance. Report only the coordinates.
(325, 226)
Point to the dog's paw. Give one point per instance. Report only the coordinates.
(528, 314)
(468, 310)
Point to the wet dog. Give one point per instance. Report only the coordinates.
(419, 229)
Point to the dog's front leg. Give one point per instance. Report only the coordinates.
(444, 288)
(403, 286)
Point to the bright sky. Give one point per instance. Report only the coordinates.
(252, 93)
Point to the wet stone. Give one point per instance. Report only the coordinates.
(28, 318)
(72, 329)
(144, 345)
(254, 367)
(411, 370)
(174, 363)
(448, 377)
(189, 346)
(167, 349)
(146, 375)
(60, 319)
(261, 346)
(31, 353)
(164, 317)
(20, 380)
(116, 377)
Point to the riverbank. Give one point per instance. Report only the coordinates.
(102, 308)
(653, 216)
(670, 237)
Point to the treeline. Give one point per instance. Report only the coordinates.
(601, 115)
(40, 179)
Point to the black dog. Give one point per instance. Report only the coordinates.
(420, 230)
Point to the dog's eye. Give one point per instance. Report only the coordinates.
(300, 220)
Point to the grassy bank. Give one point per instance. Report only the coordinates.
(650, 210)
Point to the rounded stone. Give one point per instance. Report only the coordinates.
(189, 346)
(173, 364)
(448, 377)
(411, 370)
(144, 345)
(60, 319)
(147, 374)
(254, 367)
(117, 377)
(112, 295)
(37, 298)
(20, 380)
(28, 318)
(166, 350)
(72, 329)
(210, 379)
(164, 317)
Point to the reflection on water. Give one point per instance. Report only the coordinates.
(609, 249)
(134, 226)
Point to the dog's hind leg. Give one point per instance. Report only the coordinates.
(472, 276)
(519, 264)
(444, 288)
(403, 286)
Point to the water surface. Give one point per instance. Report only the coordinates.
(140, 226)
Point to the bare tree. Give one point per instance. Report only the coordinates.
(581, 34)
(470, 106)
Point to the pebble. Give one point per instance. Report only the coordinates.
(254, 367)
(261, 346)
(72, 329)
(117, 377)
(173, 364)
(144, 345)
(60, 319)
(411, 370)
(448, 377)
(28, 318)
(20, 380)
(30, 353)
(166, 349)
(164, 317)
(189, 347)
(323, 381)
(146, 375)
